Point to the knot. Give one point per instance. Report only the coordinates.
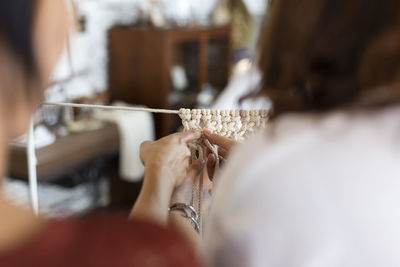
(236, 124)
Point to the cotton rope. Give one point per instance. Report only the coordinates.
(32, 171)
(73, 105)
(236, 124)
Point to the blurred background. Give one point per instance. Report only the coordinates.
(166, 54)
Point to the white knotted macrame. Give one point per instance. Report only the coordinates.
(236, 124)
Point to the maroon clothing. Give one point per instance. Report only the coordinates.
(102, 242)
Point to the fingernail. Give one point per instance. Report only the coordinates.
(201, 163)
(211, 158)
(207, 132)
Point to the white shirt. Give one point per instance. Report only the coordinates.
(311, 191)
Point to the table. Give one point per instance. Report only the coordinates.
(67, 154)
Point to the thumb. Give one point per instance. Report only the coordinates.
(195, 169)
(144, 147)
(211, 166)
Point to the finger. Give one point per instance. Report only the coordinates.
(207, 151)
(222, 160)
(211, 166)
(210, 188)
(195, 169)
(189, 136)
(218, 140)
(143, 150)
(223, 152)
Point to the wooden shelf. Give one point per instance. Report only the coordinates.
(140, 60)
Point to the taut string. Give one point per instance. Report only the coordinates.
(73, 105)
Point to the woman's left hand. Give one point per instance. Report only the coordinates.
(168, 165)
(169, 158)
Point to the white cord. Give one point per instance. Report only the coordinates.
(32, 172)
(166, 111)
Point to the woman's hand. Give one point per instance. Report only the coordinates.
(167, 166)
(225, 146)
(169, 158)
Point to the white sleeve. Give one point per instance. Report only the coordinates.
(272, 206)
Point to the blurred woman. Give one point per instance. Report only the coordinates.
(32, 37)
(321, 185)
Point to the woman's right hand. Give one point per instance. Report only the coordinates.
(225, 146)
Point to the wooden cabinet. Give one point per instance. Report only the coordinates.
(140, 60)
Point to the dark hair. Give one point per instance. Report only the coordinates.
(318, 55)
(16, 20)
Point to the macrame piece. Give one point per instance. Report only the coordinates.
(236, 124)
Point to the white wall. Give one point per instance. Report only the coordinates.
(256, 7)
(89, 49)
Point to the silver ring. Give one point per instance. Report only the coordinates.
(183, 206)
